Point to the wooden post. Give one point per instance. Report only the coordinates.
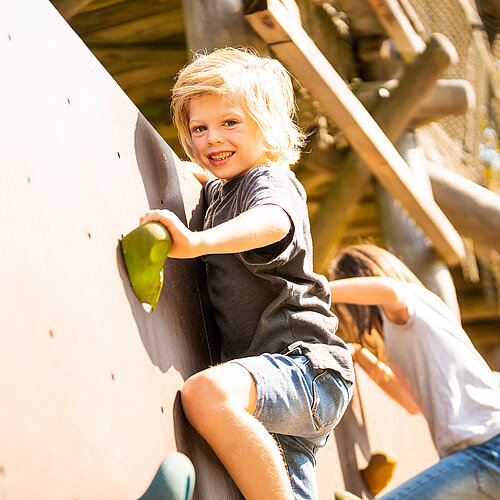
(214, 24)
(393, 114)
(405, 239)
(473, 209)
(447, 97)
(398, 27)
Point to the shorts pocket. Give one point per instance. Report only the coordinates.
(330, 398)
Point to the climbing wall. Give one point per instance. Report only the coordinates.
(88, 380)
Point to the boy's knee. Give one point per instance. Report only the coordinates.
(223, 388)
(201, 395)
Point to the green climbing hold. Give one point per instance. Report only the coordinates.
(145, 250)
(174, 479)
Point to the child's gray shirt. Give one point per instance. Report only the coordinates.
(269, 299)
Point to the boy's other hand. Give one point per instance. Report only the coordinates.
(185, 243)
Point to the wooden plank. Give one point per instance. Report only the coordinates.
(294, 47)
(68, 8)
(393, 114)
(143, 76)
(398, 27)
(154, 28)
(99, 4)
(120, 58)
(158, 90)
(113, 14)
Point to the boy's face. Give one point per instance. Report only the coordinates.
(226, 140)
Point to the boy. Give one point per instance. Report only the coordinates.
(284, 370)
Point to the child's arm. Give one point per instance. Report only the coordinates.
(373, 290)
(255, 228)
(384, 377)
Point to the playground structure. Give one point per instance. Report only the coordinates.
(89, 385)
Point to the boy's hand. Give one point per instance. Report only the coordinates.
(185, 243)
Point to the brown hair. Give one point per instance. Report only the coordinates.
(363, 323)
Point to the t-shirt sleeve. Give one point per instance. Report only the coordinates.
(266, 186)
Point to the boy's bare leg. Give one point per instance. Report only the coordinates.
(218, 403)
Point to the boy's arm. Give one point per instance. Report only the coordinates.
(384, 377)
(255, 228)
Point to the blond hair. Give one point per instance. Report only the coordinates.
(363, 323)
(260, 85)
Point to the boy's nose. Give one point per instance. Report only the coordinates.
(214, 138)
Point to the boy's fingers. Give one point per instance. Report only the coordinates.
(154, 215)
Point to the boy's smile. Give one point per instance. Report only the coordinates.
(226, 140)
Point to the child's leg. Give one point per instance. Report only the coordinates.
(300, 457)
(218, 402)
(300, 405)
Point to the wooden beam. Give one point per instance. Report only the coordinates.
(68, 8)
(396, 112)
(218, 24)
(398, 27)
(121, 13)
(484, 333)
(120, 58)
(330, 36)
(330, 220)
(362, 22)
(473, 209)
(447, 97)
(405, 239)
(294, 47)
(146, 29)
(393, 114)
(476, 308)
(145, 93)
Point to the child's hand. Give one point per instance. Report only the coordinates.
(185, 243)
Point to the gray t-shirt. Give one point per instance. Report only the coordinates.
(269, 298)
(454, 387)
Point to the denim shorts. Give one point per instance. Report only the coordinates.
(468, 474)
(299, 405)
